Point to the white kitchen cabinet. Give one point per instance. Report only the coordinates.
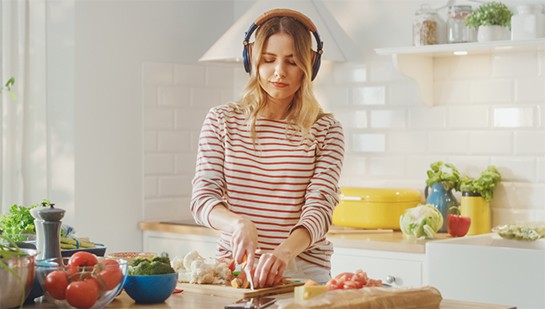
(176, 244)
(417, 62)
(397, 268)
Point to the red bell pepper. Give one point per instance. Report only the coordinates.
(457, 226)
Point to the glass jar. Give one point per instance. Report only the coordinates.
(457, 31)
(428, 27)
(528, 22)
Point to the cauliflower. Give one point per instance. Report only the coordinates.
(193, 268)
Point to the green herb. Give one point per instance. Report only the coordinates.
(19, 221)
(484, 185)
(444, 173)
(7, 86)
(490, 14)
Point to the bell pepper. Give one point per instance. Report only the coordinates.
(457, 226)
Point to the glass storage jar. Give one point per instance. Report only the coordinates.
(457, 31)
(528, 22)
(428, 27)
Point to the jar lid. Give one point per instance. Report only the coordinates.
(530, 8)
(47, 213)
(460, 8)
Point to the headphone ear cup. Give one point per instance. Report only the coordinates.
(316, 60)
(247, 57)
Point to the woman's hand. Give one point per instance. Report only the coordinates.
(244, 242)
(270, 269)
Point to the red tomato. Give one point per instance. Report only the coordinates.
(94, 282)
(83, 258)
(109, 274)
(56, 283)
(81, 294)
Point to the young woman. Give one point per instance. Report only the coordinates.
(268, 165)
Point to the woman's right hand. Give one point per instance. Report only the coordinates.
(244, 242)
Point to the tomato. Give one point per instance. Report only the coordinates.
(348, 280)
(56, 283)
(83, 258)
(109, 274)
(94, 282)
(81, 294)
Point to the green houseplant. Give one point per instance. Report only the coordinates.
(493, 21)
(442, 179)
(7, 86)
(477, 194)
(483, 185)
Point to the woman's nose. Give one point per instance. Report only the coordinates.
(279, 70)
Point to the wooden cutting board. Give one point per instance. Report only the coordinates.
(224, 290)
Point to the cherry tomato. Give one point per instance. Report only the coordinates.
(83, 258)
(56, 283)
(81, 294)
(109, 274)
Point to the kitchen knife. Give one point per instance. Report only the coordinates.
(249, 277)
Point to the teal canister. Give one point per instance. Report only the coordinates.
(441, 198)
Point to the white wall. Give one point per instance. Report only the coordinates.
(96, 58)
(133, 62)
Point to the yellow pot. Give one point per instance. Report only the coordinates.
(478, 210)
(373, 208)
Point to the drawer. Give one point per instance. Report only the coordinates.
(404, 269)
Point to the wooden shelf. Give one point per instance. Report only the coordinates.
(417, 62)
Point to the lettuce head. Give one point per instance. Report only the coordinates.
(422, 221)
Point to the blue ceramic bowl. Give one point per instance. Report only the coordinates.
(151, 289)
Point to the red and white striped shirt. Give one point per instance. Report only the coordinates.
(279, 184)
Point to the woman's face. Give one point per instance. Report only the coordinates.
(279, 76)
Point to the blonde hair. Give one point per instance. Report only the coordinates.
(304, 109)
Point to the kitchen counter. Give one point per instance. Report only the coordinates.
(187, 300)
(386, 240)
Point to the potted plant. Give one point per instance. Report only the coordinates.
(477, 193)
(442, 179)
(492, 21)
(7, 86)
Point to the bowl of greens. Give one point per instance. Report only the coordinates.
(151, 280)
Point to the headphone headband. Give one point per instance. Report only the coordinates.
(246, 53)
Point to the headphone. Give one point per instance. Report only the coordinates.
(247, 50)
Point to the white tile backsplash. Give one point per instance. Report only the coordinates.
(488, 110)
(513, 117)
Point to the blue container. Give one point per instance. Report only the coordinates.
(150, 289)
(442, 199)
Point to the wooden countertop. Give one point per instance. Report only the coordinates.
(386, 240)
(187, 300)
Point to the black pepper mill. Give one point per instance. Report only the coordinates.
(48, 231)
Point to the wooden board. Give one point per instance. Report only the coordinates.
(224, 290)
(335, 229)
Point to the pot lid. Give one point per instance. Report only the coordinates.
(391, 195)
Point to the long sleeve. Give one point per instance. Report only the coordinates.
(209, 180)
(322, 194)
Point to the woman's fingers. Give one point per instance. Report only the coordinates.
(269, 271)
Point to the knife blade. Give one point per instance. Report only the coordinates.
(249, 277)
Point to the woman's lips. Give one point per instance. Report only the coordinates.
(279, 84)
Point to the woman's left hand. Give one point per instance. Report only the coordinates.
(269, 270)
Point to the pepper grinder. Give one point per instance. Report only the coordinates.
(48, 231)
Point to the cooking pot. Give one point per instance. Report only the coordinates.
(374, 208)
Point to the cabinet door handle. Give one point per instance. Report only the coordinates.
(390, 279)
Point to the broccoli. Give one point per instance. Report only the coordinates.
(162, 259)
(146, 267)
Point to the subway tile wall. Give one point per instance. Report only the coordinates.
(488, 109)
